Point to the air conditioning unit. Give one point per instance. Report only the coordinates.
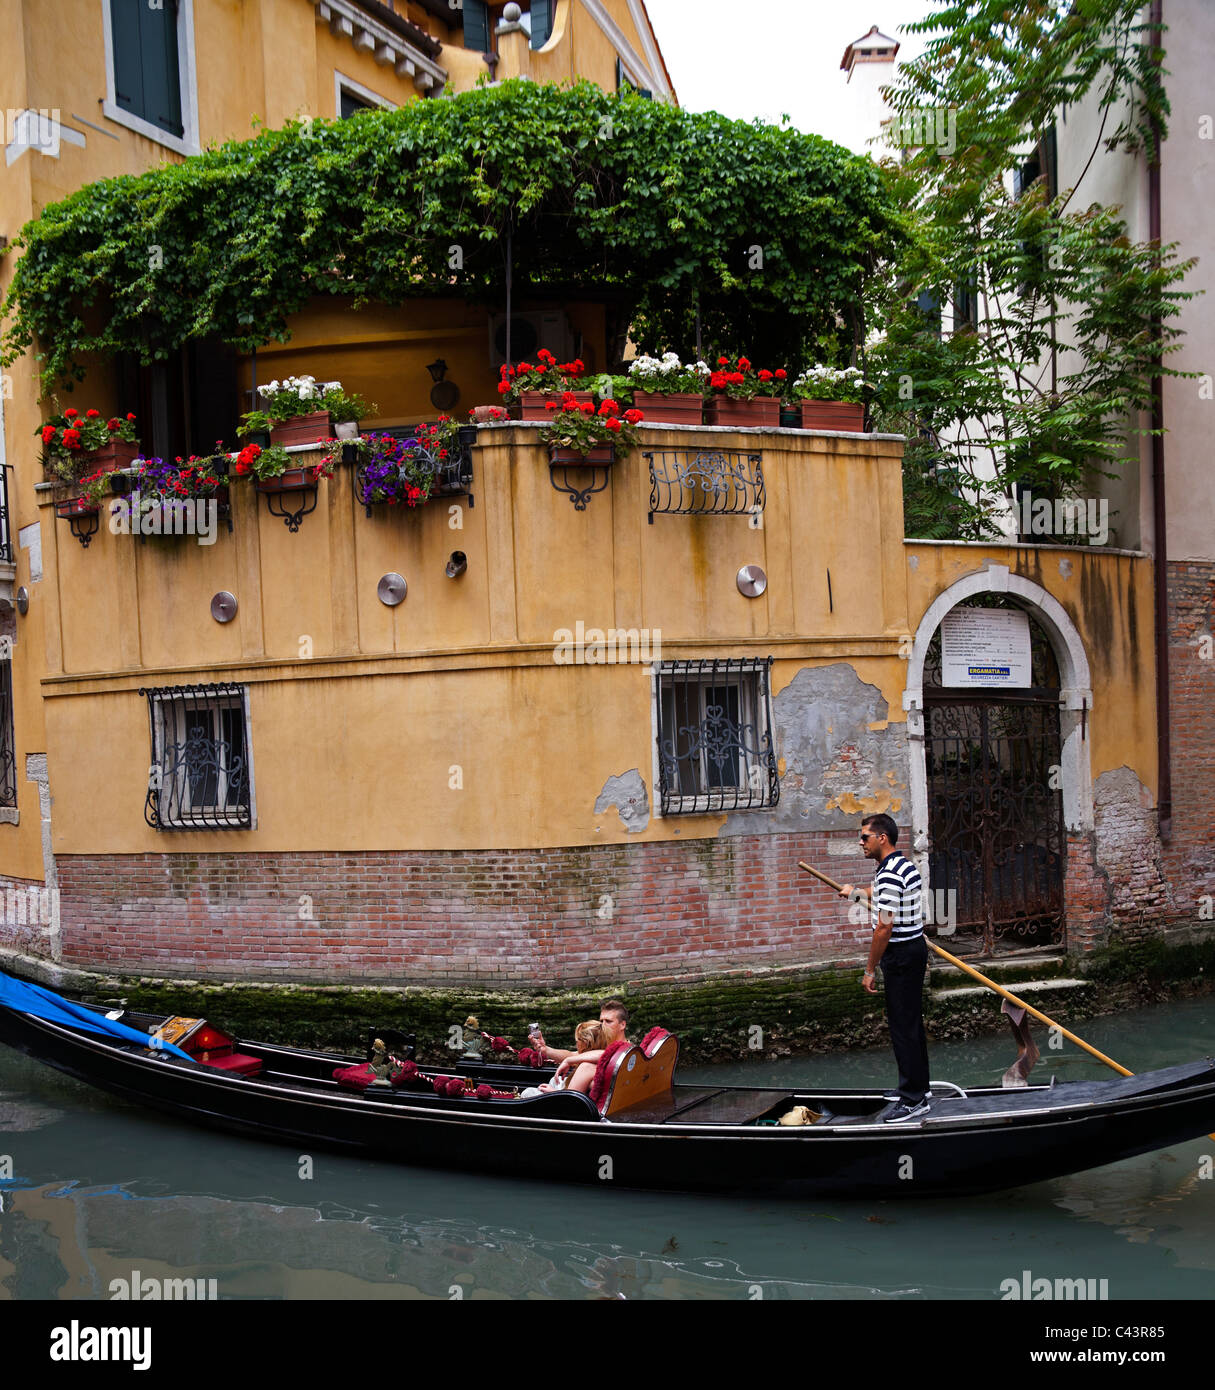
(528, 332)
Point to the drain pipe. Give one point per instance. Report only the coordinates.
(1164, 799)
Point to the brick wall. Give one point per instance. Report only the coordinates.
(1189, 857)
(518, 918)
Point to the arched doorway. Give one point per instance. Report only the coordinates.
(993, 765)
(1000, 778)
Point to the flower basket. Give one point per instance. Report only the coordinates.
(301, 429)
(118, 453)
(833, 415)
(602, 453)
(677, 408)
(760, 411)
(289, 480)
(71, 507)
(533, 405)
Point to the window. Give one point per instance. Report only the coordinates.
(8, 746)
(623, 80)
(715, 749)
(965, 305)
(200, 776)
(351, 96)
(149, 46)
(185, 402)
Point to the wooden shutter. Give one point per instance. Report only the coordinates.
(128, 55)
(147, 78)
(476, 26)
(542, 22)
(161, 77)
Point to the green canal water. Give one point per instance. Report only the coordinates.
(102, 1191)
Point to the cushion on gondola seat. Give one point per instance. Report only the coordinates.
(240, 1062)
(354, 1078)
(629, 1075)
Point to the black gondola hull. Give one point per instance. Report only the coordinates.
(954, 1152)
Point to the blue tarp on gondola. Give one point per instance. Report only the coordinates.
(33, 999)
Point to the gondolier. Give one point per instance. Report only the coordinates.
(896, 904)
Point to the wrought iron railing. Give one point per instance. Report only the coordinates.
(8, 748)
(716, 482)
(199, 773)
(715, 744)
(453, 474)
(6, 535)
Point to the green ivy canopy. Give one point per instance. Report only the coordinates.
(773, 235)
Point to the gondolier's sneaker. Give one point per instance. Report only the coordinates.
(904, 1110)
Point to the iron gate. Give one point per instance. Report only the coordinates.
(995, 808)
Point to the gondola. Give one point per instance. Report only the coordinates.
(648, 1131)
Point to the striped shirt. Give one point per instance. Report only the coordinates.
(898, 890)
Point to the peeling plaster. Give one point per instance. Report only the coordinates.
(838, 757)
(627, 793)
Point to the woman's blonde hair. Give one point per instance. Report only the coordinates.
(589, 1035)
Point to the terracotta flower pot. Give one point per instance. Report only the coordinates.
(601, 453)
(677, 408)
(833, 415)
(484, 414)
(118, 453)
(302, 429)
(289, 480)
(532, 403)
(758, 411)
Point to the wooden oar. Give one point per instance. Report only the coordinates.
(991, 984)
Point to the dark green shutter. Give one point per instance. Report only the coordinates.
(161, 78)
(476, 26)
(542, 22)
(147, 79)
(128, 56)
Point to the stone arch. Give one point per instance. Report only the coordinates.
(1075, 694)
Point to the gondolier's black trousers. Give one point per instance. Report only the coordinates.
(903, 969)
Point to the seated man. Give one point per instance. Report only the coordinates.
(614, 1020)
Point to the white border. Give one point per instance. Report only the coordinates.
(187, 142)
(1074, 693)
(342, 83)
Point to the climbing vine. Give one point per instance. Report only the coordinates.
(773, 235)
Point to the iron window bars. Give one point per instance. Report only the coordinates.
(199, 774)
(715, 746)
(8, 744)
(717, 482)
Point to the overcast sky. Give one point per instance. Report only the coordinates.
(747, 60)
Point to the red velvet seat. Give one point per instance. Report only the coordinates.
(240, 1062)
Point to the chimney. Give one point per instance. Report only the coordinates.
(873, 47)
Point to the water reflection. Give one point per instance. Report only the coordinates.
(100, 1190)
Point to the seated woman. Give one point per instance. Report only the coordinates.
(588, 1037)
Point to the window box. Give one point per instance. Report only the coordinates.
(833, 415)
(302, 429)
(533, 405)
(677, 408)
(759, 411)
(605, 453)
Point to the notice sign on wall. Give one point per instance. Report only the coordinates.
(985, 647)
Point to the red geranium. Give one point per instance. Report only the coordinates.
(48, 433)
(92, 414)
(613, 424)
(744, 363)
(113, 425)
(633, 416)
(71, 412)
(781, 374)
(71, 439)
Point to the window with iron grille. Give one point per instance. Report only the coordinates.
(200, 776)
(715, 746)
(8, 747)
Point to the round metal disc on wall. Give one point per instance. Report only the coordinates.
(23, 600)
(752, 581)
(444, 394)
(223, 606)
(392, 589)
